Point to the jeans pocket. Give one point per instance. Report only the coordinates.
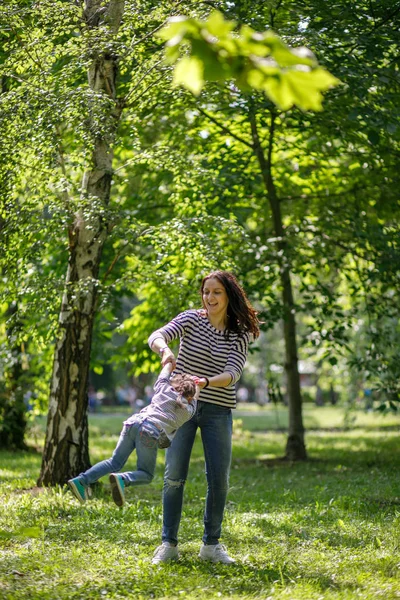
(149, 435)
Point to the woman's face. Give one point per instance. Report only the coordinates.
(215, 298)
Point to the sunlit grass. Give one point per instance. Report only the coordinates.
(327, 528)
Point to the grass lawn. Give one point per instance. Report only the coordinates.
(325, 529)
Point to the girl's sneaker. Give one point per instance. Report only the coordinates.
(78, 490)
(117, 489)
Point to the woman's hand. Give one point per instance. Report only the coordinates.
(168, 357)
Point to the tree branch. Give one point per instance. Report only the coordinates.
(146, 90)
(140, 80)
(226, 129)
(121, 250)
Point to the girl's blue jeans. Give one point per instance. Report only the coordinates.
(141, 435)
(215, 423)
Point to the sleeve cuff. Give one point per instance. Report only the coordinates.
(155, 336)
(235, 377)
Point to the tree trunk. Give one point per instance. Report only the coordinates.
(12, 406)
(66, 451)
(295, 447)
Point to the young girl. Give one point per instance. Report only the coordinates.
(154, 426)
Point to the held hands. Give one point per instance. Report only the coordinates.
(168, 357)
(201, 382)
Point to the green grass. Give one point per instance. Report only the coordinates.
(325, 529)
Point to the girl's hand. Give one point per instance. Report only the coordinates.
(168, 357)
(201, 382)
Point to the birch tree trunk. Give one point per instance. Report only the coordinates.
(66, 446)
(295, 446)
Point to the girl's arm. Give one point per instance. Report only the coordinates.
(160, 346)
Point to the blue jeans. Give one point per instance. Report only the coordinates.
(143, 436)
(215, 423)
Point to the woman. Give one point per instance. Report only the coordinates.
(213, 346)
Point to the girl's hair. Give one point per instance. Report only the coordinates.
(185, 385)
(241, 315)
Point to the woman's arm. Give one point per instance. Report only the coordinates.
(237, 358)
(219, 381)
(159, 339)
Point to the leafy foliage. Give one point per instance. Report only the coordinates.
(252, 60)
(185, 176)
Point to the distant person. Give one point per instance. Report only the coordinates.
(121, 395)
(92, 399)
(243, 394)
(131, 395)
(173, 403)
(368, 400)
(213, 344)
(319, 398)
(148, 393)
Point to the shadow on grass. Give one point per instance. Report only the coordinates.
(247, 578)
(324, 447)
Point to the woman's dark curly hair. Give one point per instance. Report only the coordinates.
(242, 317)
(184, 385)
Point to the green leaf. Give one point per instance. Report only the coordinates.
(218, 26)
(278, 89)
(289, 57)
(174, 30)
(306, 87)
(171, 54)
(189, 73)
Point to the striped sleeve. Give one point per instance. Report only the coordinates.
(237, 358)
(174, 329)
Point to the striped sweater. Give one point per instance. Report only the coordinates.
(204, 351)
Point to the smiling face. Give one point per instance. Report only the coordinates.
(215, 298)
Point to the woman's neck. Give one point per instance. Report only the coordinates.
(217, 321)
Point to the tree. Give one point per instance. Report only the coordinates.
(75, 126)
(210, 58)
(12, 406)
(66, 450)
(321, 164)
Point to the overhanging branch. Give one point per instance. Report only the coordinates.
(226, 129)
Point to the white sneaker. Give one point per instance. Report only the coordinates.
(165, 553)
(216, 553)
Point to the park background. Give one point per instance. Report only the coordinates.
(137, 154)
